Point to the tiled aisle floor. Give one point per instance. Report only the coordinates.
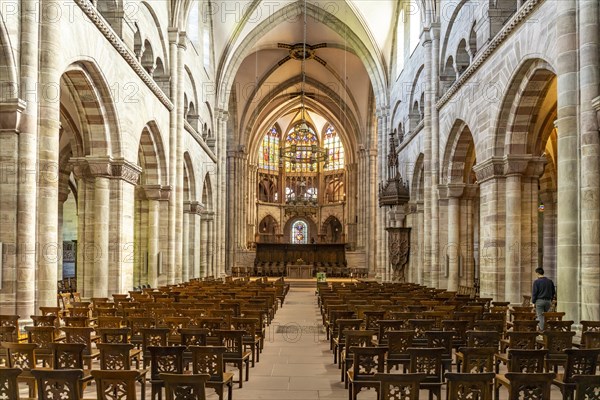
(296, 362)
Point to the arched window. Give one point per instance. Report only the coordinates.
(302, 138)
(299, 232)
(268, 154)
(415, 15)
(335, 149)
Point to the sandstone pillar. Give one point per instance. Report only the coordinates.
(490, 175)
(101, 220)
(185, 276)
(25, 172)
(171, 259)
(204, 247)
(548, 198)
(513, 168)
(567, 166)
(153, 236)
(180, 226)
(48, 152)
(454, 225)
(589, 83)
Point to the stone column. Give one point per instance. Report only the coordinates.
(125, 176)
(548, 197)
(180, 226)
(48, 152)
(589, 83)
(63, 195)
(567, 165)
(372, 213)
(101, 219)
(210, 248)
(186, 241)
(421, 249)
(453, 248)
(153, 194)
(513, 168)
(25, 118)
(232, 205)
(170, 259)
(431, 95)
(490, 175)
(428, 150)
(204, 246)
(195, 226)
(85, 229)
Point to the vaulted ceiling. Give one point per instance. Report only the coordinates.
(258, 47)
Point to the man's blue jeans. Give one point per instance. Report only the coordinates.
(542, 306)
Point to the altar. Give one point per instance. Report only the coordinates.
(299, 271)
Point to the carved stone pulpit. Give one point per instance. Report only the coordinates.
(399, 251)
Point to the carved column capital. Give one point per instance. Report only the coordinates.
(91, 167)
(11, 111)
(488, 169)
(516, 164)
(536, 167)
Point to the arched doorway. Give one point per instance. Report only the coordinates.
(267, 229)
(332, 230)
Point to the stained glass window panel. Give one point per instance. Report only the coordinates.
(302, 162)
(299, 232)
(335, 150)
(268, 154)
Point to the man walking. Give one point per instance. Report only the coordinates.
(542, 295)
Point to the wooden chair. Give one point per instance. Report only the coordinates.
(209, 360)
(476, 359)
(152, 337)
(163, 359)
(386, 325)
(420, 326)
(82, 335)
(7, 334)
(459, 328)
(579, 362)
(442, 339)
(234, 342)
(478, 339)
(9, 387)
(175, 324)
(587, 387)
(516, 340)
(398, 343)
(185, 387)
(343, 325)
(109, 384)
(55, 384)
(556, 342)
(251, 339)
(137, 324)
(353, 339)
(42, 336)
(469, 385)
(22, 356)
(399, 386)
(428, 361)
(527, 386)
(521, 361)
(367, 362)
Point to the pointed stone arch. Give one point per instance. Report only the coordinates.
(459, 155)
(8, 66)
(151, 156)
(95, 107)
(528, 87)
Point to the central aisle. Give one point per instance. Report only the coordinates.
(296, 362)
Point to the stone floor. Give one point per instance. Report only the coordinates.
(296, 363)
